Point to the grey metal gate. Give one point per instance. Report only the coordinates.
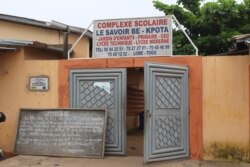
(166, 112)
(104, 89)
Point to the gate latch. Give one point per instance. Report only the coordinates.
(148, 114)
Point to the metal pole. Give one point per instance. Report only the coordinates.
(190, 40)
(83, 33)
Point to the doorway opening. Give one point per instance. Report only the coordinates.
(135, 111)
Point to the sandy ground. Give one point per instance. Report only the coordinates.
(134, 159)
(135, 143)
(131, 161)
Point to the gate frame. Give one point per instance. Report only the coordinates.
(195, 87)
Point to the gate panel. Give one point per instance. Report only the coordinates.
(166, 112)
(104, 89)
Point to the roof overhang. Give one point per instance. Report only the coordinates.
(50, 25)
(241, 38)
(12, 45)
(248, 42)
(7, 49)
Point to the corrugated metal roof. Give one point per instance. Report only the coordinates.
(51, 25)
(13, 43)
(248, 42)
(242, 36)
(7, 49)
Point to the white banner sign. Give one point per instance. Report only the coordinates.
(133, 37)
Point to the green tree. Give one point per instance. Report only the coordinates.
(210, 25)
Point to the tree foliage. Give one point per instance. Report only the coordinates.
(210, 25)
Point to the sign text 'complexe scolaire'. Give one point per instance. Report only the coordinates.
(133, 37)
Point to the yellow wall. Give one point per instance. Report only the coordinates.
(15, 94)
(225, 99)
(10, 30)
(82, 49)
(226, 107)
(40, 54)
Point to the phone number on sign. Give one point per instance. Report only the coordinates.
(135, 50)
(132, 48)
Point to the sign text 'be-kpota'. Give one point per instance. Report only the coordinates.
(133, 37)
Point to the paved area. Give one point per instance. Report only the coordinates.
(42, 161)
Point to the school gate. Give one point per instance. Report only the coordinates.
(102, 83)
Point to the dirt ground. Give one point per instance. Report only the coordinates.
(130, 161)
(134, 159)
(135, 143)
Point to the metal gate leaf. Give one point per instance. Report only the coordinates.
(104, 89)
(166, 112)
